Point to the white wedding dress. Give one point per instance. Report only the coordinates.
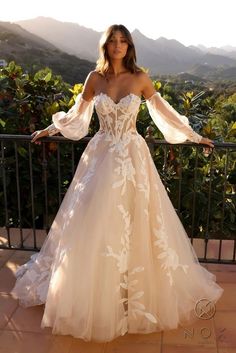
(117, 258)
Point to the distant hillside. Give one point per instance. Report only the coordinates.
(33, 52)
(185, 76)
(160, 56)
(69, 37)
(211, 73)
(227, 51)
(163, 56)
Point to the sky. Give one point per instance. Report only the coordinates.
(207, 22)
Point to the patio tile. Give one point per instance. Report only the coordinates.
(135, 343)
(17, 259)
(132, 347)
(213, 248)
(227, 350)
(227, 251)
(186, 349)
(7, 305)
(225, 277)
(225, 328)
(24, 342)
(28, 320)
(21, 256)
(7, 280)
(60, 344)
(40, 238)
(15, 236)
(228, 298)
(199, 246)
(5, 255)
(80, 346)
(222, 267)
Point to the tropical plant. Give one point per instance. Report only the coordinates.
(27, 102)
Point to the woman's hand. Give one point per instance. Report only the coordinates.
(208, 142)
(38, 134)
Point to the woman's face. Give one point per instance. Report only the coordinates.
(117, 46)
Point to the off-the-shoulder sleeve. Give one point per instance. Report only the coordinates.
(74, 124)
(174, 126)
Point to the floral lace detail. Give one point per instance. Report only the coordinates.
(88, 175)
(122, 256)
(132, 303)
(117, 119)
(145, 186)
(136, 293)
(127, 171)
(168, 256)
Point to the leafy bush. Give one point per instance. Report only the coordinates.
(27, 103)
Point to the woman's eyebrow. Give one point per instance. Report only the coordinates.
(113, 37)
(121, 36)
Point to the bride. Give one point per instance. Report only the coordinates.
(117, 259)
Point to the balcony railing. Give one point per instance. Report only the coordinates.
(34, 179)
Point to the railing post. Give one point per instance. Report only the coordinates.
(169, 163)
(3, 168)
(45, 179)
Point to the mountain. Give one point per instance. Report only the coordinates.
(160, 56)
(32, 51)
(69, 37)
(228, 48)
(227, 51)
(163, 56)
(208, 72)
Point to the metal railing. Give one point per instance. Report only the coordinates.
(17, 164)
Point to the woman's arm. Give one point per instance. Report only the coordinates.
(73, 124)
(174, 126)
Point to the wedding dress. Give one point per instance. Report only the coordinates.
(117, 258)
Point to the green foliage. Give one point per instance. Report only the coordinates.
(198, 188)
(27, 102)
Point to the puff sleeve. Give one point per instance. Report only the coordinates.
(174, 126)
(75, 123)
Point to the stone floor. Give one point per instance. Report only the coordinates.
(20, 330)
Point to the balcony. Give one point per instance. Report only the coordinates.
(20, 330)
(34, 180)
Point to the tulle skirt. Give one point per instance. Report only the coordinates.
(117, 258)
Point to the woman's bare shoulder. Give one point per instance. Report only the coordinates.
(93, 76)
(90, 85)
(146, 84)
(142, 76)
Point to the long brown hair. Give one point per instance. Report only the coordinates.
(129, 61)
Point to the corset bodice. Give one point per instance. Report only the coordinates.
(117, 119)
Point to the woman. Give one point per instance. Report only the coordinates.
(117, 258)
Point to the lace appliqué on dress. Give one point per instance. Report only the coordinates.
(167, 255)
(131, 303)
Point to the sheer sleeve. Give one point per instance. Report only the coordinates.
(174, 126)
(75, 123)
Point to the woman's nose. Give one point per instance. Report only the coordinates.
(117, 43)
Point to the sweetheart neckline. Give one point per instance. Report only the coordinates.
(128, 95)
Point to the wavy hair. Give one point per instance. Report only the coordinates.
(129, 61)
